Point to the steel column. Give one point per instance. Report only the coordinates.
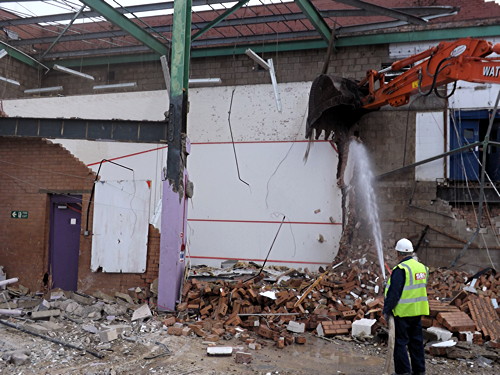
(174, 208)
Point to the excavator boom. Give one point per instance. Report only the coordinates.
(464, 59)
(336, 103)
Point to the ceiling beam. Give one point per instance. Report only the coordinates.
(124, 23)
(219, 18)
(315, 18)
(115, 130)
(21, 56)
(384, 11)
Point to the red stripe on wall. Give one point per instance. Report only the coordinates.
(263, 222)
(126, 156)
(203, 143)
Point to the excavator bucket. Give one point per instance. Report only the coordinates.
(334, 103)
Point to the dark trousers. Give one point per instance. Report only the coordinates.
(408, 335)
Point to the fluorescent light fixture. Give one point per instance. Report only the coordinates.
(204, 82)
(71, 71)
(269, 66)
(11, 81)
(166, 72)
(115, 86)
(259, 60)
(43, 89)
(3, 53)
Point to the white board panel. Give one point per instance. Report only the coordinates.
(145, 159)
(430, 142)
(120, 226)
(296, 245)
(230, 220)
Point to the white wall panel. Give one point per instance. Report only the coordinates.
(146, 159)
(430, 142)
(120, 226)
(253, 114)
(144, 105)
(230, 219)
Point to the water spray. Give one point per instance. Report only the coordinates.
(359, 174)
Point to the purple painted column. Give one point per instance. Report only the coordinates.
(172, 244)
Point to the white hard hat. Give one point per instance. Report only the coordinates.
(404, 245)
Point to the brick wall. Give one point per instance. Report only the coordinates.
(294, 66)
(27, 76)
(31, 169)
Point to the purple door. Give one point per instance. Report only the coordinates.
(65, 223)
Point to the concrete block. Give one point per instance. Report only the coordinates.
(74, 308)
(296, 327)
(83, 300)
(44, 305)
(18, 358)
(124, 297)
(242, 357)
(441, 333)
(362, 327)
(90, 328)
(142, 312)
(108, 335)
(28, 303)
(120, 328)
(220, 350)
(44, 314)
(57, 294)
(320, 331)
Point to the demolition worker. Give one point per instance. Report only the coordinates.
(406, 299)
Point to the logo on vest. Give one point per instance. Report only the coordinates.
(420, 276)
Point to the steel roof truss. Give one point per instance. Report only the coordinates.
(315, 18)
(116, 18)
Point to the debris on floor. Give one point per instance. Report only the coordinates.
(240, 310)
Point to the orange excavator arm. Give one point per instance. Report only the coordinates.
(336, 103)
(464, 59)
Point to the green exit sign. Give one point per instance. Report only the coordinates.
(19, 214)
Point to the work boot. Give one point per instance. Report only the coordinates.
(406, 373)
(419, 373)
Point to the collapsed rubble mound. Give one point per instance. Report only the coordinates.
(261, 308)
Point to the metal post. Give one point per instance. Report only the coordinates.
(174, 208)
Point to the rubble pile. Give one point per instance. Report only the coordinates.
(259, 307)
(342, 302)
(294, 297)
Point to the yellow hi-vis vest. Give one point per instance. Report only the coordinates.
(413, 301)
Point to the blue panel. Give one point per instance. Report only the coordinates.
(467, 127)
(493, 157)
(464, 130)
